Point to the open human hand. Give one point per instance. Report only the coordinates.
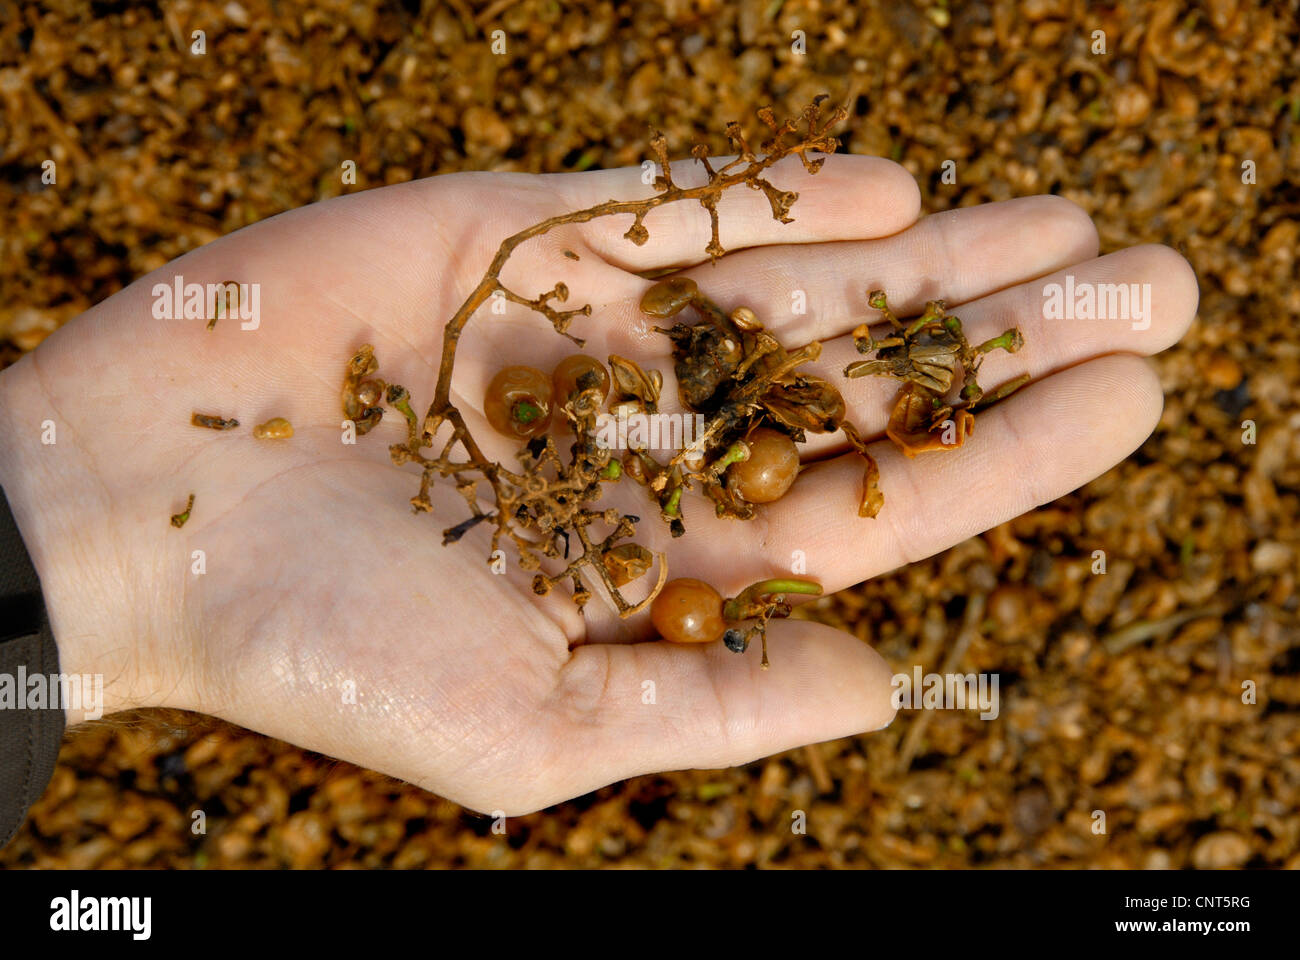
(327, 615)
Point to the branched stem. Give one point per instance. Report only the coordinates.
(546, 506)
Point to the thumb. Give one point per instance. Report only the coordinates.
(644, 708)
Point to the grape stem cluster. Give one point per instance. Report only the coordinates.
(547, 503)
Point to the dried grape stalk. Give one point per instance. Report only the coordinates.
(926, 355)
(179, 519)
(360, 397)
(213, 422)
(728, 367)
(547, 503)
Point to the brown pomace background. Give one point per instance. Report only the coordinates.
(1120, 693)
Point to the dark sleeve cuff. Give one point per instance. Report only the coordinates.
(29, 737)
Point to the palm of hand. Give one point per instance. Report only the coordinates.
(329, 617)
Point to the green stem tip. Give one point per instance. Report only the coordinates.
(1010, 341)
(734, 608)
(738, 452)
